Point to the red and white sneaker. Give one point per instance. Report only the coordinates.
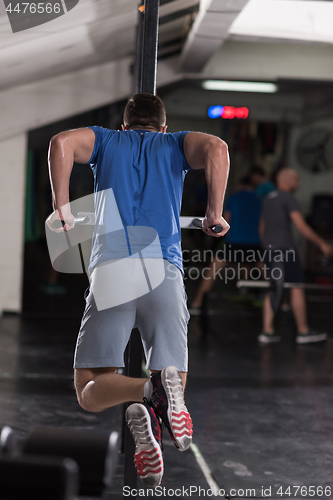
(168, 402)
(146, 432)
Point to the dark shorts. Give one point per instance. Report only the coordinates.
(235, 253)
(291, 262)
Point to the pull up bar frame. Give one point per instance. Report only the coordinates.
(144, 81)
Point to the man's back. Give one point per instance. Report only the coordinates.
(277, 207)
(145, 171)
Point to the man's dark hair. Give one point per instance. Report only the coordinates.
(145, 110)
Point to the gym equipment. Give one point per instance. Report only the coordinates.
(56, 464)
(84, 218)
(276, 288)
(34, 477)
(70, 250)
(8, 444)
(144, 81)
(95, 452)
(38, 478)
(196, 223)
(88, 219)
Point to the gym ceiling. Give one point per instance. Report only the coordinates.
(198, 40)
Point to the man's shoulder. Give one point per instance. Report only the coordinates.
(285, 196)
(273, 195)
(272, 199)
(102, 133)
(278, 199)
(279, 195)
(177, 135)
(102, 129)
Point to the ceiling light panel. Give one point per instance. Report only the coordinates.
(235, 86)
(286, 19)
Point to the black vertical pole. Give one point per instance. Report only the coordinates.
(133, 359)
(150, 44)
(137, 75)
(144, 80)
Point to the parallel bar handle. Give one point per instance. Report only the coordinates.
(57, 224)
(198, 223)
(90, 217)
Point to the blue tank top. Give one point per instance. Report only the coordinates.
(138, 182)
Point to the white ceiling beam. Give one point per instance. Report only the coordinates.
(36, 104)
(33, 105)
(208, 32)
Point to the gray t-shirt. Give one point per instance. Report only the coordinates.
(276, 214)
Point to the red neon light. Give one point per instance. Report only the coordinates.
(231, 112)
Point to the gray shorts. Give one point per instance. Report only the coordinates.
(160, 315)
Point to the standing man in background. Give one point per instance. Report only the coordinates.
(280, 209)
(144, 168)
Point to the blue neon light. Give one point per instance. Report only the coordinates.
(215, 111)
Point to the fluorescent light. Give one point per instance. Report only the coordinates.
(232, 86)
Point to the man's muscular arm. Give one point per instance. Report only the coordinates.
(65, 149)
(211, 153)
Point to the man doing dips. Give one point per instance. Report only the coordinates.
(144, 168)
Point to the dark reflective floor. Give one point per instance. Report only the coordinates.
(262, 414)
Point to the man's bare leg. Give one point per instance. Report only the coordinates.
(268, 335)
(268, 315)
(298, 304)
(101, 388)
